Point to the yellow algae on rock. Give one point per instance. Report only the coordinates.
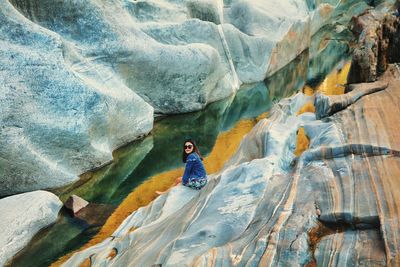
(307, 90)
(334, 82)
(308, 107)
(226, 145)
(302, 143)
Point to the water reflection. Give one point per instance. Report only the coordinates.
(325, 54)
(204, 127)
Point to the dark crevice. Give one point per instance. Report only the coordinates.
(323, 229)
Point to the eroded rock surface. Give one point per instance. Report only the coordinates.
(378, 45)
(328, 105)
(22, 216)
(80, 79)
(55, 124)
(335, 204)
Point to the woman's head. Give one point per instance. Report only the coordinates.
(189, 146)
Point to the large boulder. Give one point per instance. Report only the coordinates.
(55, 123)
(22, 216)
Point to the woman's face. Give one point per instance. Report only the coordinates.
(188, 147)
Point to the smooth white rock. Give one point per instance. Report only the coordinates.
(22, 216)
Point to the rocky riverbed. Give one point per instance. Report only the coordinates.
(313, 184)
(332, 202)
(335, 204)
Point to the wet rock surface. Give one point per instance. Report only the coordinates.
(266, 206)
(22, 216)
(95, 214)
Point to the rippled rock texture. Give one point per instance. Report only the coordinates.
(79, 79)
(22, 216)
(334, 205)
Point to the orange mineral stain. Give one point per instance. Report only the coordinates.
(86, 263)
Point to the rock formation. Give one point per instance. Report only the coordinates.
(56, 124)
(328, 105)
(378, 45)
(81, 79)
(268, 206)
(22, 216)
(75, 204)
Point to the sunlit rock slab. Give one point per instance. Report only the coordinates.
(22, 216)
(234, 215)
(372, 166)
(373, 120)
(351, 248)
(329, 105)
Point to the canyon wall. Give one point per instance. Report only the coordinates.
(79, 79)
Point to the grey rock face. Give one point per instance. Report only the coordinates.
(56, 124)
(179, 56)
(22, 216)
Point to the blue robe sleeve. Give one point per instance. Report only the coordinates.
(189, 165)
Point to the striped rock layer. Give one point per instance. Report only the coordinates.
(334, 205)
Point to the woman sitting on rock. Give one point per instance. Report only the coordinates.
(195, 175)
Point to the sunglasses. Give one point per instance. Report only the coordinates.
(188, 146)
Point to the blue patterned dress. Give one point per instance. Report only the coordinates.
(195, 174)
